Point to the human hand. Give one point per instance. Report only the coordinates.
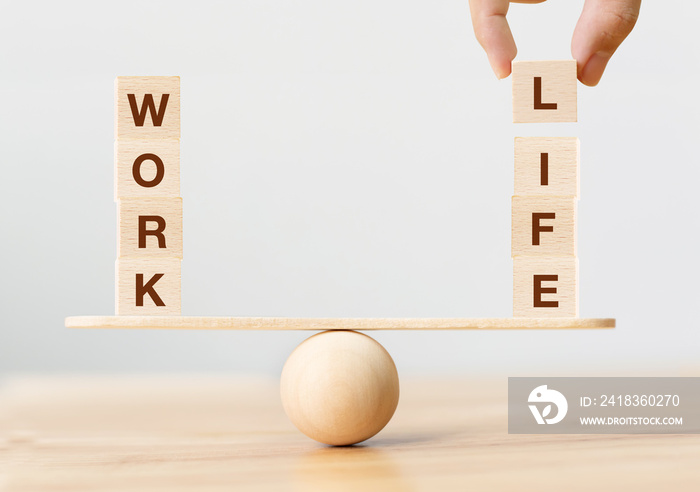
(600, 30)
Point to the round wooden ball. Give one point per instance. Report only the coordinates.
(340, 387)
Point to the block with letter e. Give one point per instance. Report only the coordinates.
(148, 286)
(545, 287)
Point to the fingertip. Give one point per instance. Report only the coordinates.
(493, 33)
(593, 69)
(501, 68)
(502, 60)
(602, 27)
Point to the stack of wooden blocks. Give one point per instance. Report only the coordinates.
(147, 192)
(545, 265)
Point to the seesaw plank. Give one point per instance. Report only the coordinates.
(242, 323)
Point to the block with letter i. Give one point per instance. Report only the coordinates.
(547, 166)
(147, 189)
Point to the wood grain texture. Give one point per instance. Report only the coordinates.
(143, 88)
(561, 173)
(129, 151)
(166, 289)
(525, 268)
(340, 387)
(558, 86)
(242, 323)
(157, 214)
(542, 235)
(211, 434)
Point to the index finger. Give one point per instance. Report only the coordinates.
(493, 33)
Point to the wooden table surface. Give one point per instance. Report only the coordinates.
(214, 433)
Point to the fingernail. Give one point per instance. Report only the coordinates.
(593, 71)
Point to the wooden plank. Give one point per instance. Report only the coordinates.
(186, 433)
(544, 91)
(261, 323)
(149, 227)
(547, 166)
(545, 287)
(148, 286)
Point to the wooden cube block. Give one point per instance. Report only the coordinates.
(547, 166)
(147, 107)
(148, 286)
(545, 287)
(543, 226)
(146, 168)
(150, 227)
(544, 91)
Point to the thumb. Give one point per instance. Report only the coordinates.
(600, 30)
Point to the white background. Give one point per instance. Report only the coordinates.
(343, 159)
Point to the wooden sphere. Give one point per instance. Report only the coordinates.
(340, 387)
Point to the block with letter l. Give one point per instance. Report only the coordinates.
(544, 91)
